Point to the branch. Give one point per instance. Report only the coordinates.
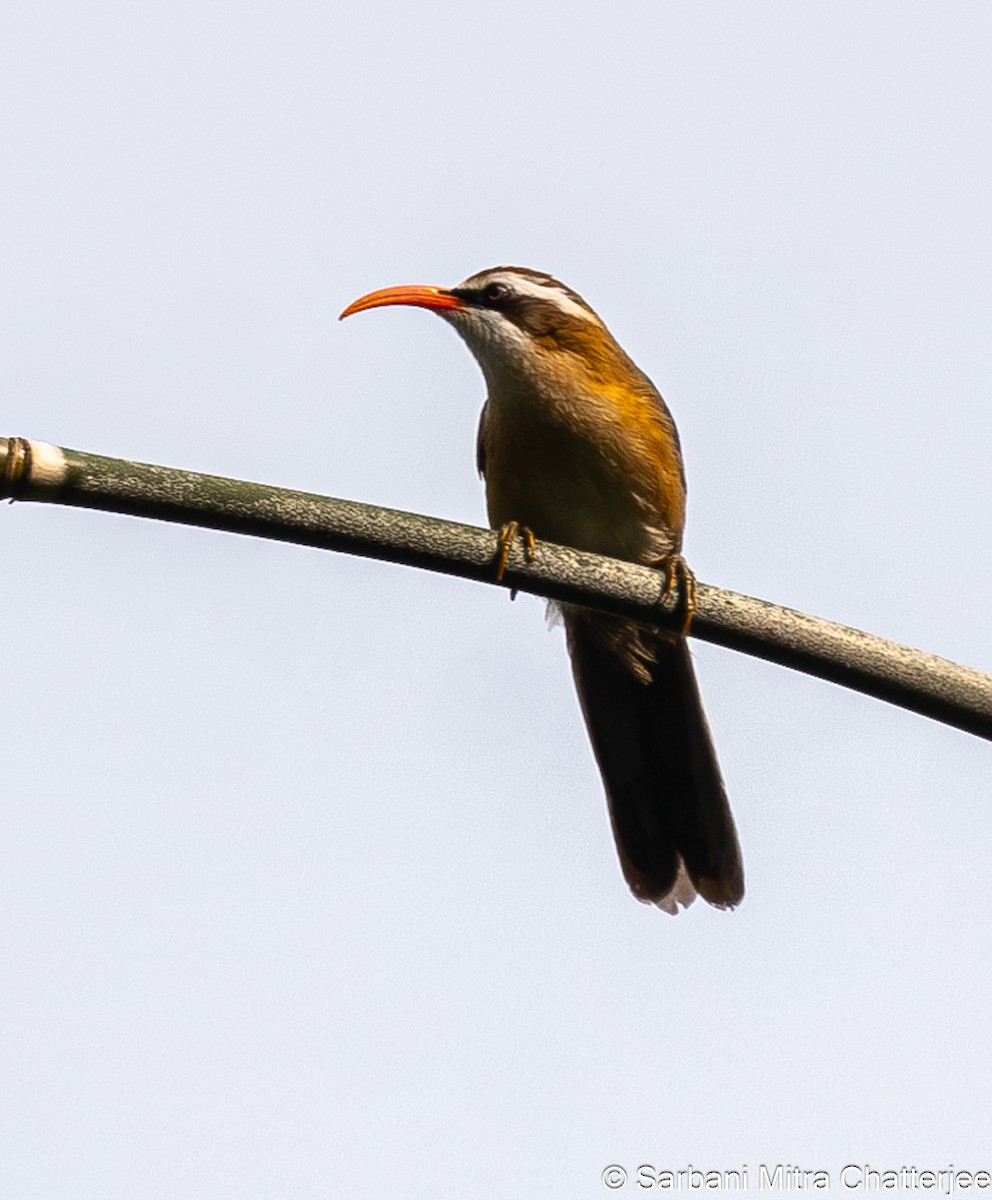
(922, 683)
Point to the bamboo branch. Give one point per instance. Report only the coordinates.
(923, 683)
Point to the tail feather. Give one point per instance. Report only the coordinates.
(671, 819)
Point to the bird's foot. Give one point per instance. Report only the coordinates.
(507, 536)
(679, 580)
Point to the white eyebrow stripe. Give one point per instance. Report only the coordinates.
(523, 285)
(548, 291)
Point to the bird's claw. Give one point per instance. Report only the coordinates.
(504, 542)
(681, 582)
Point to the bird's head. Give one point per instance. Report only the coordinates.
(517, 322)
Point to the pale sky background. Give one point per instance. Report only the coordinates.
(306, 882)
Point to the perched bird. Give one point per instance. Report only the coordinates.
(577, 447)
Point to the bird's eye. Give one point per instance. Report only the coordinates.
(495, 293)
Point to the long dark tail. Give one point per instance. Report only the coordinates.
(672, 823)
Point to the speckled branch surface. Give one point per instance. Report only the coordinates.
(920, 682)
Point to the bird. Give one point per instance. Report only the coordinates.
(577, 447)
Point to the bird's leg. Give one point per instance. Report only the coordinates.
(507, 536)
(679, 579)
